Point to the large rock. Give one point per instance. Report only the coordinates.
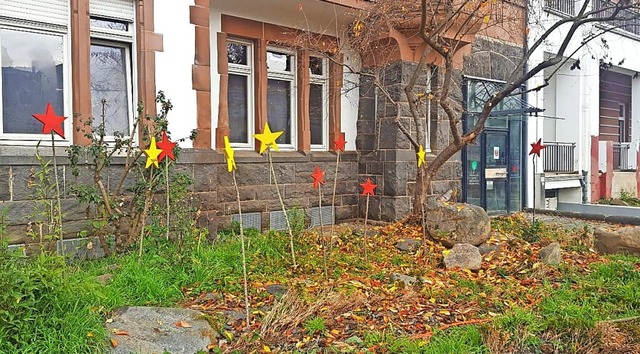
(551, 254)
(452, 223)
(464, 255)
(624, 240)
(159, 330)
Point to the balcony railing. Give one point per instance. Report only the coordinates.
(626, 20)
(567, 7)
(559, 157)
(621, 156)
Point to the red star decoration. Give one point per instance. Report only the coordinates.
(52, 122)
(318, 177)
(368, 187)
(536, 148)
(340, 143)
(167, 148)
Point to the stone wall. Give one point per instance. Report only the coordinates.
(213, 192)
(387, 156)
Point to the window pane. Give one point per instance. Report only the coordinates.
(315, 66)
(279, 108)
(32, 75)
(237, 98)
(109, 84)
(109, 24)
(316, 116)
(279, 61)
(237, 53)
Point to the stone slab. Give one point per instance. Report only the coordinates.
(154, 330)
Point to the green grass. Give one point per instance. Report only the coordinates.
(465, 339)
(50, 306)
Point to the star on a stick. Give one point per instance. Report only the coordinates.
(340, 143)
(268, 138)
(536, 148)
(368, 187)
(421, 154)
(318, 177)
(152, 154)
(167, 148)
(52, 122)
(229, 155)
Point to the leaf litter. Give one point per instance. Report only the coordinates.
(360, 298)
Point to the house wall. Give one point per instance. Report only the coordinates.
(624, 181)
(615, 47)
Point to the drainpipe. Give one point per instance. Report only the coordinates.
(583, 186)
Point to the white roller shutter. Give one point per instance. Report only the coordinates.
(114, 9)
(45, 11)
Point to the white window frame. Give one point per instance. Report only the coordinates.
(292, 77)
(126, 40)
(42, 139)
(247, 71)
(324, 81)
(622, 123)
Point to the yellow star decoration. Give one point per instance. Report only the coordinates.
(152, 154)
(228, 155)
(421, 154)
(268, 138)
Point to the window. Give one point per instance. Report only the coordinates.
(239, 95)
(33, 57)
(111, 75)
(266, 84)
(318, 103)
(281, 95)
(32, 75)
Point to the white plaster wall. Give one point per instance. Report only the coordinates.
(570, 195)
(173, 65)
(624, 180)
(316, 16)
(215, 26)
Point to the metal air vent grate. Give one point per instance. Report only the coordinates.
(249, 220)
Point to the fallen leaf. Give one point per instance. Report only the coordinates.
(120, 332)
(266, 349)
(90, 334)
(183, 324)
(114, 343)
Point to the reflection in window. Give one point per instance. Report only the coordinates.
(279, 108)
(237, 98)
(316, 113)
(237, 53)
(32, 75)
(109, 24)
(108, 65)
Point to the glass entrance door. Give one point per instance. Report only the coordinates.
(496, 172)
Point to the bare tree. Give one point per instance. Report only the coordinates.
(440, 33)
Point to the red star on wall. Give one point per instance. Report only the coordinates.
(368, 187)
(167, 148)
(340, 143)
(318, 177)
(536, 148)
(52, 122)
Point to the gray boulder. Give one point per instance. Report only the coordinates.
(452, 223)
(397, 277)
(159, 330)
(465, 256)
(624, 240)
(551, 254)
(409, 245)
